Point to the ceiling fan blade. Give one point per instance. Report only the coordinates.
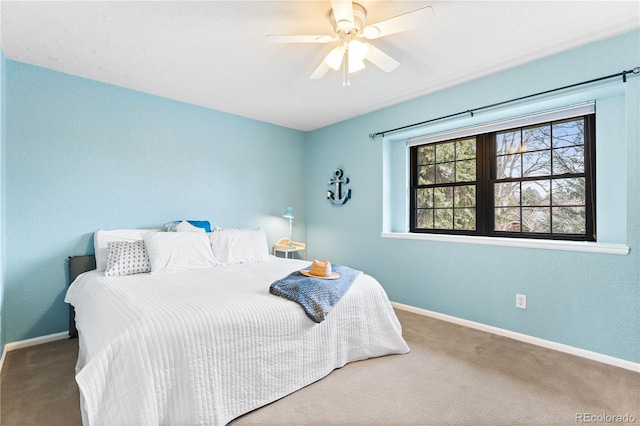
(343, 14)
(299, 38)
(322, 69)
(380, 59)
(398, 23)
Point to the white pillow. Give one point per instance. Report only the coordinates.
(239, 246)
(178, 251)
(185, 226)
(126, 258)
(102, 238)
(217, 228)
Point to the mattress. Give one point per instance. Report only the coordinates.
(206, 346)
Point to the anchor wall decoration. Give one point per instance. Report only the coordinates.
(340, 196)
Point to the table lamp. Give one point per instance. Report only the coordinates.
(288, 214)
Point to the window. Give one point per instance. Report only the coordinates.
(535, 181)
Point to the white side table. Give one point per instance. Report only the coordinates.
(282, 246)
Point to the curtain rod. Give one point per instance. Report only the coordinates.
(635, 70)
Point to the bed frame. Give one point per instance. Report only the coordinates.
(78, 265)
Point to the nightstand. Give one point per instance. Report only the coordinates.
(78, 265)
(282, 246)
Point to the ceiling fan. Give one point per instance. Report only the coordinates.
(348, 21)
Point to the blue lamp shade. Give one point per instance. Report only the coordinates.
(288, 213)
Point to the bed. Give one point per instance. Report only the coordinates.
(208, 344)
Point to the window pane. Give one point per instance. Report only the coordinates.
(569, 192)
(536, 193)
(530, 183)
(506, 194)
(426, 175)
(425, 198)
(466, 171)
(425, 219)
(536, 163)
(508, 166)
(569, 220)
(507, 219)
(466, 149)
(568, 160)
(445, 152)
(508, 142)
(465, 219)
(568, 133)
(443, 197)
(536, 219)
(443, 219)
(465, 196)
(536, 138)
(444, 172)
(426, 154)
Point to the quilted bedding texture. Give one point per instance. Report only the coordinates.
(206, 346)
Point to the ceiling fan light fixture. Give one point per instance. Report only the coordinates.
(358, 50)
(355, 65)
(334, 58)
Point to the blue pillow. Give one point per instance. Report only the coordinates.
(170, 226)
(201, 224)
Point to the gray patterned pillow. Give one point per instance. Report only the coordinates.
(126, 258)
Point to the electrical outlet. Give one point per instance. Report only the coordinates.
(521, 301)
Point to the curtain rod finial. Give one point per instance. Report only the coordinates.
(636, 70)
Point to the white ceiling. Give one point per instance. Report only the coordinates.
(214, 53)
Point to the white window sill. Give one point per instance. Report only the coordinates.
(581, 246)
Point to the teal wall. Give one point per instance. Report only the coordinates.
(586, 300)
(2, 204)
(82, 155)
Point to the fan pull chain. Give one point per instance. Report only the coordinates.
(345, 68)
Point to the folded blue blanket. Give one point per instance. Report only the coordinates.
(315, 295)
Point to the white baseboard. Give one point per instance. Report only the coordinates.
(594, 356)
(31, 342)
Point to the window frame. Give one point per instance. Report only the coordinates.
(485, 179)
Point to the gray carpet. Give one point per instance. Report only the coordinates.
(452, 376)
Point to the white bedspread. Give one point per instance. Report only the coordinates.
(206, 346)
